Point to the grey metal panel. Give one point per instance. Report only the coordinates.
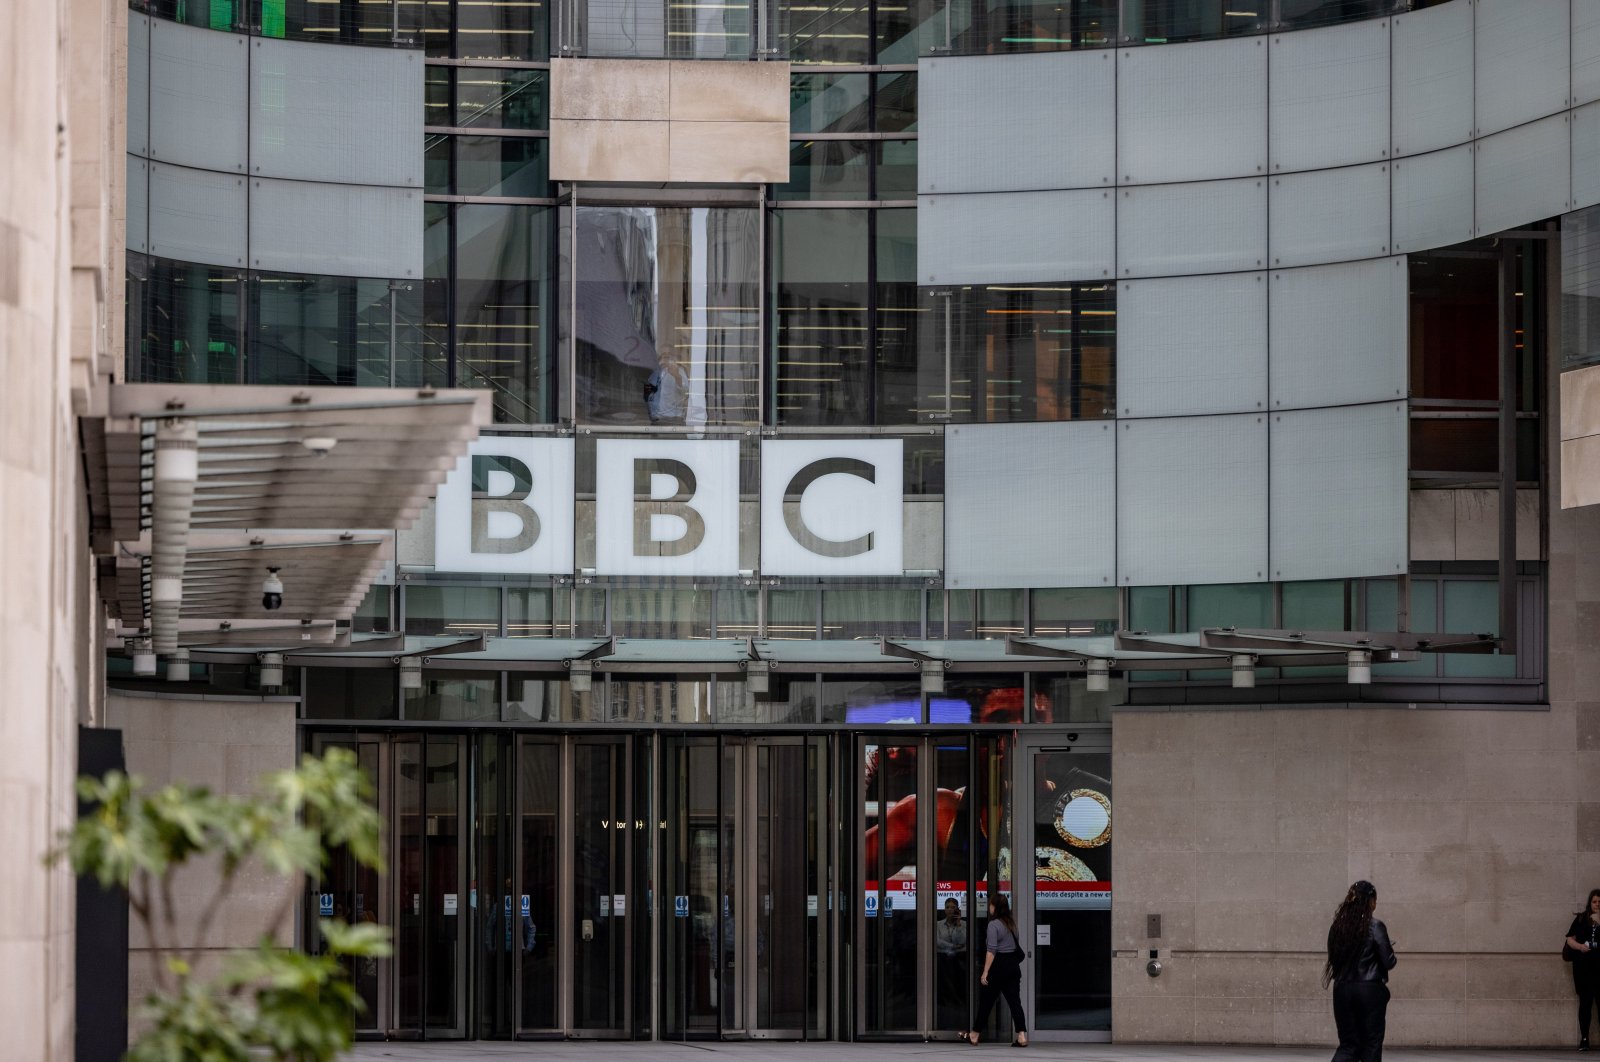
(1523, 64)
(1015, 236)
(974, 110)
(198, 215)
(1432, 205)
(1523, 174)
(1192, 112)
(1330, 96)
(1339, 492)
(1192, 500)
(1585, 52)
(1188, 345)
(1330, 215)
(138, 83)
(1061, 476)
(1209, 227)
(330, 112)
(1338, 333)
(339, 229)
(1432, 78)
(1586, 156)
(138, 204)
(199, 93)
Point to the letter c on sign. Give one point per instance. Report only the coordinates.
(831, 466)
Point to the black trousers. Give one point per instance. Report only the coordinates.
(1007, 983)
(1586, 979)
(1359, 1011)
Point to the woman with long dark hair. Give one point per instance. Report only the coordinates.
(1583, 950)
(1360, 956)
(1002, 972)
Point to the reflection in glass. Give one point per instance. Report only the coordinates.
(666, 323)
(229, 16)
(895, 172)
(503, 271)
(500, 29)
(454, 695)
(1072, 837)
(890, 886)
(1382, 600)
(1074, 613)
(830, 103)
(850, 700)
(664, 699)
(457, 610)
(600, 955)
(374, 612)
(1035, 352)
(539, 788)
(1303, 14)
(827, 169)
(501, 99)
(792, 614)
(895, 108)
(904, 29)
(529, 613)
(501, 166)
(1474, 605)
(630, 29)
(436, 95)
(436, 164)
(1165, 21)
(1316, 606)
(826, 32)
(995, 26)
(183, 322)
(897, 313)
(820, 323)
(658, 613)
(350, 693)
(872, 613)
(1246, 605)
(379, 22)
(321, 330)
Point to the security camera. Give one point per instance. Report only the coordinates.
(272, 591)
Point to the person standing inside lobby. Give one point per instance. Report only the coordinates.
(1583, 951)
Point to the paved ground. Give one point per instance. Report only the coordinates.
(568, 1051)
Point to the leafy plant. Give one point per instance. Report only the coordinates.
(267, 1001)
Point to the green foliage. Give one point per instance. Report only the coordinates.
(269, 1001)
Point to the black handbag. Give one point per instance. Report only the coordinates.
(1568, 953)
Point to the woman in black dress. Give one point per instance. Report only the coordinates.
(1360, 956)
(1583, 947)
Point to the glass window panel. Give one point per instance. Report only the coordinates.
(999, 613)
(1033, 25)
(1150, 609)
(960, 605)
(1230, 605)
(463, 610)
(1382, 596)
(827, 169)
(1035, 352)
(667, 699)
(501, 29)
(1070, 700)
(1164, 21)
(454, 695)
(1318, 606)
(435, 25)
(589, 613)
(502, 99)
(436, 164)
(792, 614)
(1473, 606)
(1075, 613)
(983, 699)
(373, 614)
(656, 613)
(1303, 14)
(436, 96)
(666, 324)
(503, 272)
(827, 32)
(737, 613)
(872, 613)
(1580, 288)
(319, 331)
(344, 22)
(830, 103)
(869, 701)
(895, 109)
(183, 322)
(529, 613)
(230, 16)
(898, 313)
(501, 166)
(793, 699)
(906, 29)
(540, 698)
(350, 692)
(820, 319)
(896, 170)
(1453, 322)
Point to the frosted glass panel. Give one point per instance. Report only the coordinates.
(1586, 156)
(1211, 227)
(1585, 53)
(338, 229)
(1192, 500)
(1330, 96)
(1058, 480)
(1189, 345)
(138, 204)
(1432, 78)
(1432, 199)
(1330, 215)
(1339, 492)
(138, 83)
(1192, 112)
(197, 215)
(1523, 174)
(1523, 63)
(198, 97)
(1338, 333)
(322, 112)
(972, 111)
(1015, 236)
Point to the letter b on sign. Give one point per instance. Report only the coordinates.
(507, 507)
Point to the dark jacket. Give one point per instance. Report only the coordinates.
(1584, 931)
(1376, 958)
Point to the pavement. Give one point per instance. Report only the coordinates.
(766, 1051)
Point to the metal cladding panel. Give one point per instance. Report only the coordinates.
(1523, 62)
(199, 97)
(1192, 500)
(1330, 96)
(1330, 215)
(1056, 481)
(1192, 112)
(1175, 229)
(1585, 52)
(1021, 237)
(1432, 68)
(138, 204)
(1586, 156)
(1338, 334)
(1339, 492)
(1524, 174)
(342, 230)
(329, 112)
(138, 83)
(974, 110)
(1432, 199)
(1192, 345)
(198, 215)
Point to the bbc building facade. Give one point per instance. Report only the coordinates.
(903, 425)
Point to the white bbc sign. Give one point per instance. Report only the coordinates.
(671, 507)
